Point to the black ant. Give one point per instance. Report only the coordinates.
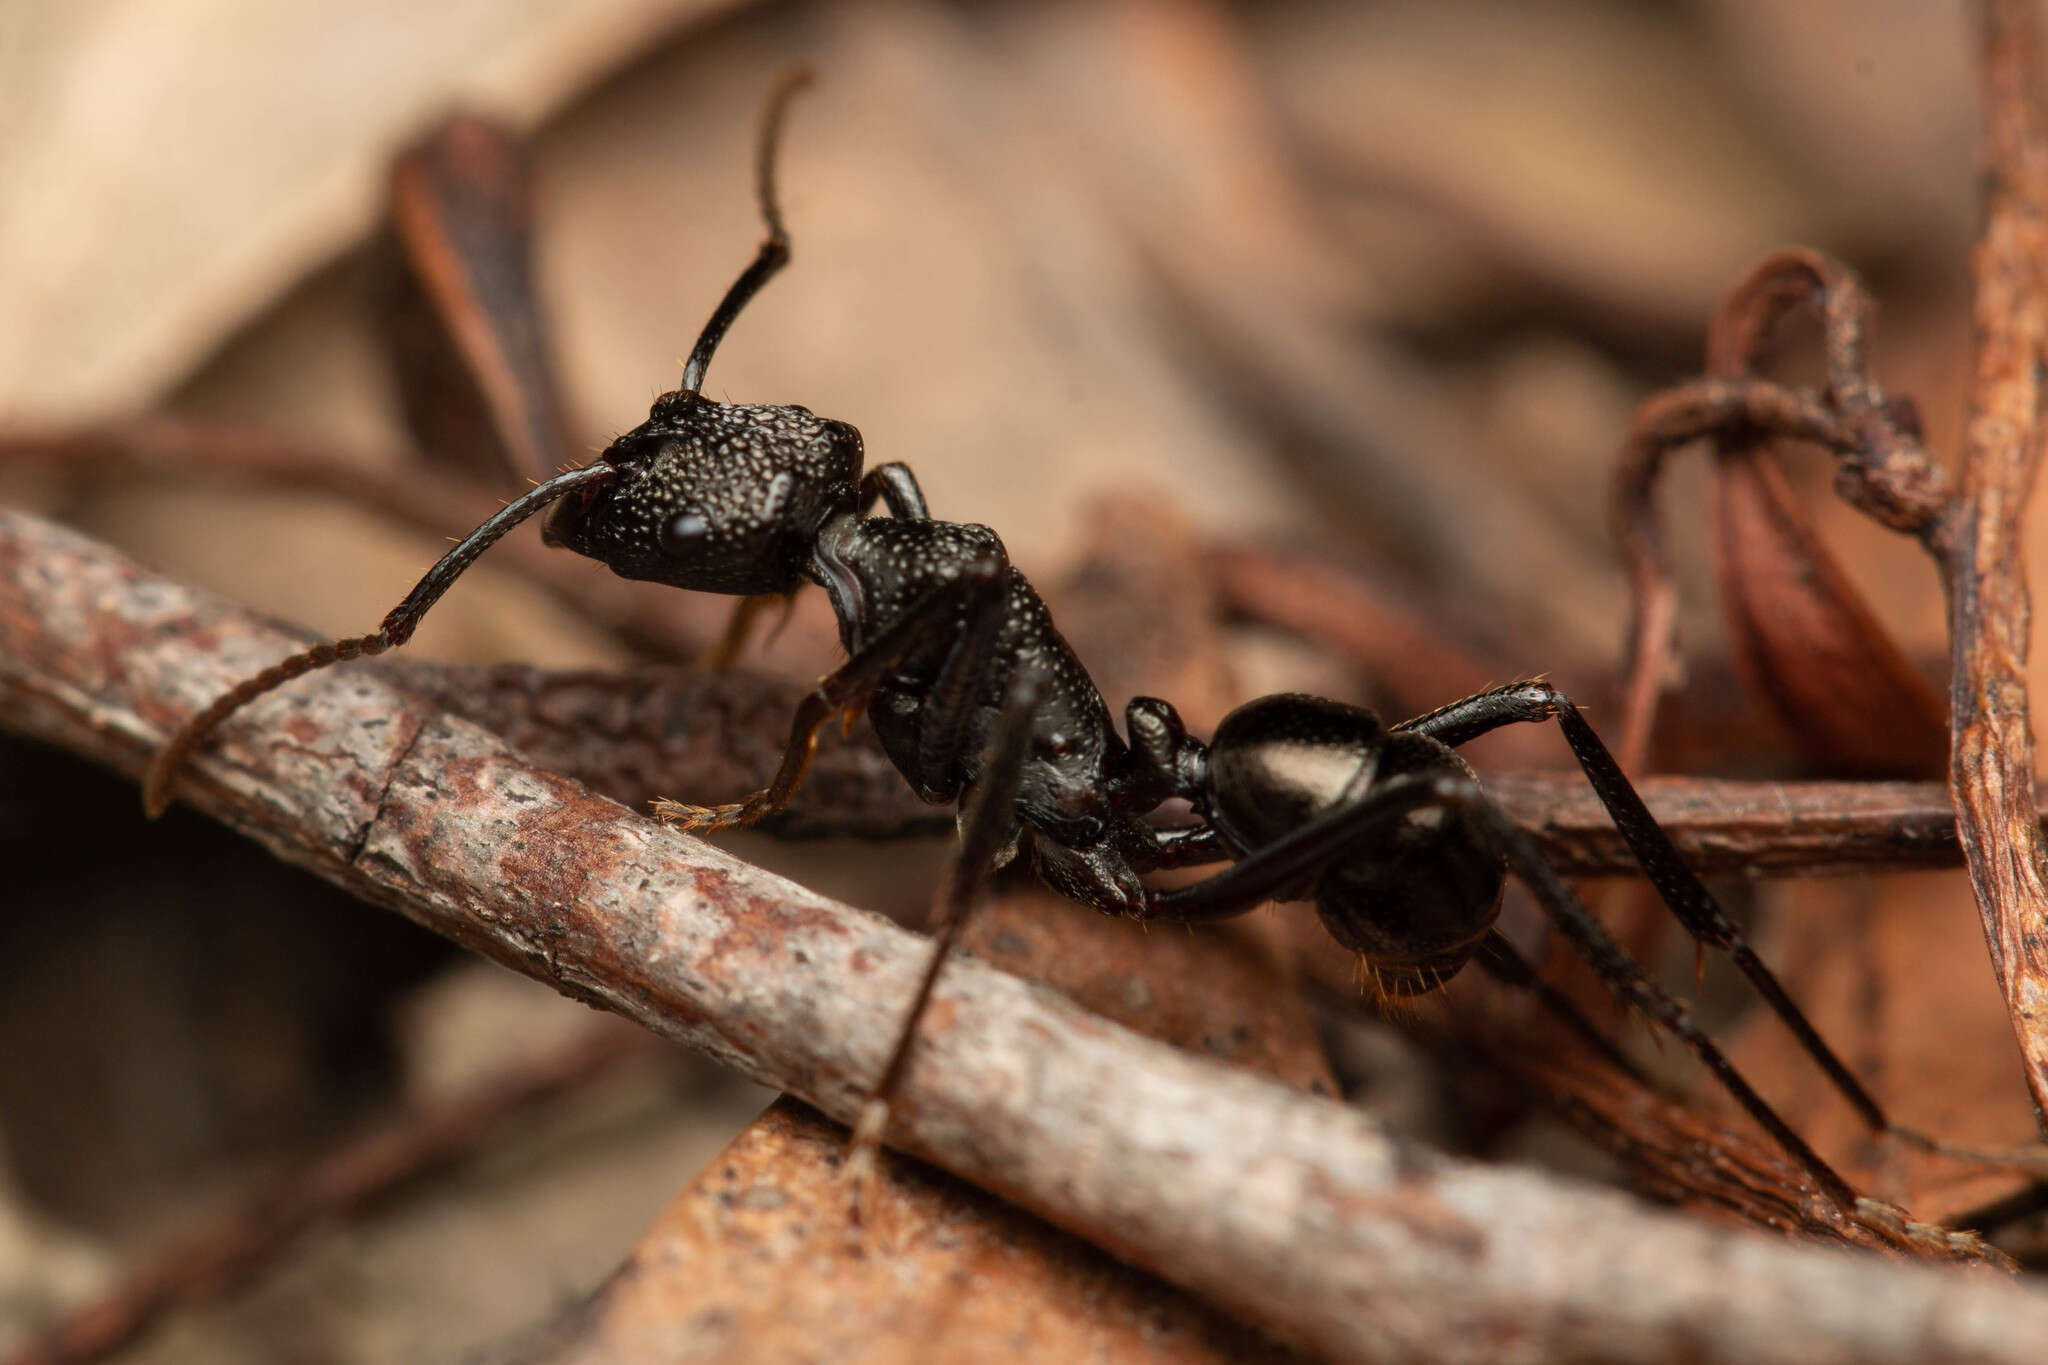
(974, 695)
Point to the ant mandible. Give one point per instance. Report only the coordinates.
(976, 698)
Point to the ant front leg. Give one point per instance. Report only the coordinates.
(894, 485)
(732, 642)
(975, 592)
(1677, 884)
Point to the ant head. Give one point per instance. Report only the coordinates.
(714, 497)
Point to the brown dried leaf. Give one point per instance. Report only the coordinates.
(466, 332)
(1808, 644)
(756, 1260)
(1891, 973)
(182, 181)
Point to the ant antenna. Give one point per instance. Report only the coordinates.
(774, 252)
(396, 629)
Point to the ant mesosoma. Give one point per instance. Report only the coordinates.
(973, 694)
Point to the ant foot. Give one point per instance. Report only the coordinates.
(1896, 1225)
(861, 1171)
(711, 819)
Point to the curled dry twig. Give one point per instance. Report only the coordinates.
(1884, 471)
(1972, 531)
(1289, 1209)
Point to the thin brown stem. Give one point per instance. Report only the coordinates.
(1978, 539)
(1664, 422)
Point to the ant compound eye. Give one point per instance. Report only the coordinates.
(685, 534)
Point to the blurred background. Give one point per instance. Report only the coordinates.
(1377, 282)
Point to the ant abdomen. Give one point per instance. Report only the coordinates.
(1415, 896)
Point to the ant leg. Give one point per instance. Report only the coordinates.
(1676, 883)
(1508, 966)
(1628, 980)
(976, 588)
(1300, 852)
(955, 692)
(396, 629)
(895, 485)
(732, 642)
(989, 825)
(1272, 868)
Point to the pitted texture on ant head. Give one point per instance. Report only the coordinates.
(715, 497)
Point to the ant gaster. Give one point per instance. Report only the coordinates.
(976, 698)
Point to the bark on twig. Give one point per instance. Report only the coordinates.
(666, 730)
(1290, 1210)
(1738, 828)
(1991, 758)
(657, 730)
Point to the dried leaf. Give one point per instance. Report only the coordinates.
(1808, 644)
(162, 219)
(756, 1260)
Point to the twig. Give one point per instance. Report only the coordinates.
(222, 1254)
(659, 730)
(1671, 1148)
(1732, 828)
(1978, 541)
(1972, 532)
(656, 730)
(1291, 1210)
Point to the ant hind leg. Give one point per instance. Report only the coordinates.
(1284, 861)
(1676, 883)
(1626, 978)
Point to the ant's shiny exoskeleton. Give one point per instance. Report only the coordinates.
(973, 694)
